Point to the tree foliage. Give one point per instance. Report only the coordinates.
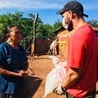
(93, 23)
(57, 25)
(26, 25)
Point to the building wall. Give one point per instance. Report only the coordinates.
(63, 37)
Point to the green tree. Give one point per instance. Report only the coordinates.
(93, 23)
(57, 25)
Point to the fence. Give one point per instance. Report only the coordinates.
(41, 46)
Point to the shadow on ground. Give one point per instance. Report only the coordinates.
(32, 85)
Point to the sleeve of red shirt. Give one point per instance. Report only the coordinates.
(76, 52)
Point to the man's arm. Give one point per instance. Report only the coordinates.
(71, 77)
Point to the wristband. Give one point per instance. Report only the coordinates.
(63, 89)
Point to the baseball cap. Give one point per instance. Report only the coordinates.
(73, 6)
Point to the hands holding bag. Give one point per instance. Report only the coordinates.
(60, 90)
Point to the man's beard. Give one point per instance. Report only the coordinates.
(70, 27)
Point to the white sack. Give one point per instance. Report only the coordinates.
(56, 61)
(55, 78)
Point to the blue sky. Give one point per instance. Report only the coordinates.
(46, 8)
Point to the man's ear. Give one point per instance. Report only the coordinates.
(73, 15)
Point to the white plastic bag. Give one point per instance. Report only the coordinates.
(55, 78)
(56, 61)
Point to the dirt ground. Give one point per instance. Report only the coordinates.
(41, 66)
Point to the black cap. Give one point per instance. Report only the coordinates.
(73, 6)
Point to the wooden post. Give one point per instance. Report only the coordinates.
(34, 35)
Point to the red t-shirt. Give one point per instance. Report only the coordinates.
(82, 54)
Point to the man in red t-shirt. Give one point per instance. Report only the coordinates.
(82, 65)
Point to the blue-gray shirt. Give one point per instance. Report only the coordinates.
(13, 60)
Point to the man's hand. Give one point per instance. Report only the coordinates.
(60, 90)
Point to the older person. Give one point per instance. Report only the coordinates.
(13, 65)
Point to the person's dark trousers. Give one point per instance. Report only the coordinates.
(90, 95)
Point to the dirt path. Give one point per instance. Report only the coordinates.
(41, 66)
